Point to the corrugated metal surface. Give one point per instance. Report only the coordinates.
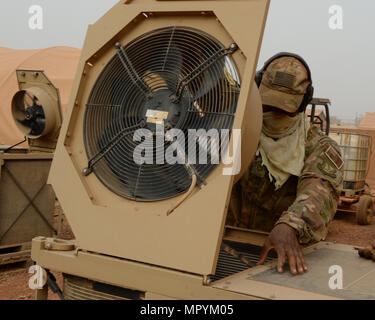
(228, 265)
(77, 290)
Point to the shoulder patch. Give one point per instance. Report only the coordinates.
(335, 157)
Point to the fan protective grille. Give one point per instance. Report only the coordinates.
(142, 78)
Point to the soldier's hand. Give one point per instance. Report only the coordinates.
(283, 240)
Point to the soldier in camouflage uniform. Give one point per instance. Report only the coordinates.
(294, 198)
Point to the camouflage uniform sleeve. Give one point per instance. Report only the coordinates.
(318, 189)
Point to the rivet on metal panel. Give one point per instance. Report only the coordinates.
(23, 74)
(36, 74)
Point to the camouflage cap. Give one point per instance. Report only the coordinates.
(284, 84)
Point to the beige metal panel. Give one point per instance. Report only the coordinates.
(358, 276)
(155, 296)
(128, 274)
(103, 222)
(26, 156)
(241, 284)
(254, 237)
(20, 220)
(36, 83)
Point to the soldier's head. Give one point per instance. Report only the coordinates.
(285, 84)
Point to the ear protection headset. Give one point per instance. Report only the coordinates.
(310, 89)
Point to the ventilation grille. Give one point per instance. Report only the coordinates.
(228, 265)
(137, 83)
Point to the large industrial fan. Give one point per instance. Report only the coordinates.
(27, 202)
(184, 75)
(153, 73)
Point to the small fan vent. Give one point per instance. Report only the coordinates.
(179, 76)
(29, 114)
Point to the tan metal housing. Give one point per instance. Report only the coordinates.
(103, 222)
(36, 83)
(135, 247)
(27, 202)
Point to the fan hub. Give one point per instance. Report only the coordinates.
(160, 110)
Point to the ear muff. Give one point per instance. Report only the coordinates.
(309, 90)
(306, 99)
(258, 77)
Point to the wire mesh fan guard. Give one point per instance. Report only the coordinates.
(181, 71)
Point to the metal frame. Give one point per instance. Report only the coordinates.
(171, 241)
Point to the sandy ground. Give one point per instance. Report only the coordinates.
(14, 278)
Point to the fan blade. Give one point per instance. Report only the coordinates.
(209, 82)
(24, 122)
(169, 73)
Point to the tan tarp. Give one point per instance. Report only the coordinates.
(59, 63)
(368, 121)
(370, 178)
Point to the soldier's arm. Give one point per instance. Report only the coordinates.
(317, 192)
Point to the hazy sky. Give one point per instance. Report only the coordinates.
(342, 61)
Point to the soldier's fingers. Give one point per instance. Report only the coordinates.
(265, 250)
(300, 254)
(280, 259)
(299, 263)
(300, 259)
(292, 262)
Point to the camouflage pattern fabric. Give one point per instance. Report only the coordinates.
(284, 84)
(306, 203)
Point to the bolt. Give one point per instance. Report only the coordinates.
(118, 45)
(234, 47)
(173, 98)
(86, 171)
